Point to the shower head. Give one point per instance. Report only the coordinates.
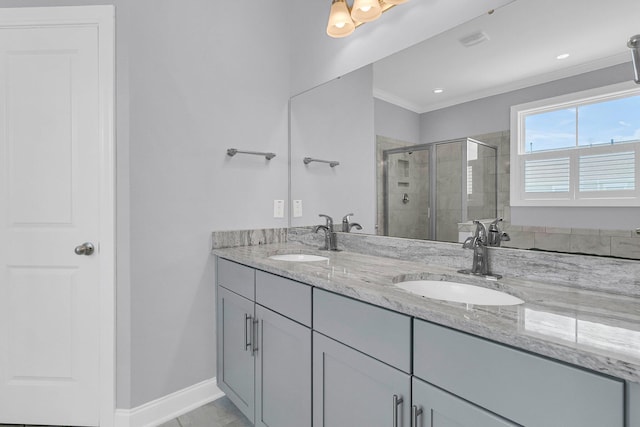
(634, 45)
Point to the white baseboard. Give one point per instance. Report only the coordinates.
(170, 406)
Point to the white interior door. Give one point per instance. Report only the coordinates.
(49, 204)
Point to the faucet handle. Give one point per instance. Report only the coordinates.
(481, 232)
(329, 221)
(494, 224)
(347, 218)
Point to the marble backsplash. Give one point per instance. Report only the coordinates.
(619, 276)
(235, 238)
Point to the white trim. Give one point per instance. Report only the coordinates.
(103, 17)
(170, 406)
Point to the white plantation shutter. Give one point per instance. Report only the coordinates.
(608, 172)
(546, 175)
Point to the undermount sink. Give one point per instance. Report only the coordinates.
(298, 257)
(458, 292)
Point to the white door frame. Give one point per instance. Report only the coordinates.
(103, 18)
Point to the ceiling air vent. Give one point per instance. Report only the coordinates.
(474, 39)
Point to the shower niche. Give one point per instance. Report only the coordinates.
(426, 190)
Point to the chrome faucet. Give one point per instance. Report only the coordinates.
(479, 242)
(347, 225)
(496, 236)
(330, 237)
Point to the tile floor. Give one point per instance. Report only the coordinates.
(220, 413)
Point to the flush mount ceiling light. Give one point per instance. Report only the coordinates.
(340, 22)
(438, 90)
(562, 56)
(343, 19)
(366, 10)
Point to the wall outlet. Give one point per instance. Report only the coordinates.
(297, 208)
(278, 208)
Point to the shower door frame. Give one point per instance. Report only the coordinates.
(432, 209)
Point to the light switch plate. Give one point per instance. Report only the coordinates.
(278, 208)
(297, 208)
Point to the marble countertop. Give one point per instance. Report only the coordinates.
(591, 329)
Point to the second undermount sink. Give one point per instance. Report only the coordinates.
(458, 292)
(299, 258)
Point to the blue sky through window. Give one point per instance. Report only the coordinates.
(600, 123)
(617, 121)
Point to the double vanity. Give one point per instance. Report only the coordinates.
(356, 338)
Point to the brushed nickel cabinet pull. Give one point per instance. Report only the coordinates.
(247, 344)
(397, 401)
(415, 413)
(254, 337)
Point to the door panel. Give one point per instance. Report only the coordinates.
(40, 177)
(50, 328)
(49, 204)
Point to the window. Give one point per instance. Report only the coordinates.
(581, 149)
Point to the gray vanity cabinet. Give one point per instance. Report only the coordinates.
(434, 407)
(264, 345)
(352, 389)
(235, 356)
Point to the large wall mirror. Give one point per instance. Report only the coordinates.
(417, 145)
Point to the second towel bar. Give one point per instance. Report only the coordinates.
(331, 163)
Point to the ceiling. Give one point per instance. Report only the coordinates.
(525, 37)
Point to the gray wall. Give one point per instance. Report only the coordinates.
(189, 85)
(492, 114)
(395, 122)
(199, 85)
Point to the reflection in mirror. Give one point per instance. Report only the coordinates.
(430, 190)
(519, 60)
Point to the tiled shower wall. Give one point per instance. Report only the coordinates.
(448, 190)
(408, 174)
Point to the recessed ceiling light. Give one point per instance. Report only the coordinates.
(563, 56)
(438, 90)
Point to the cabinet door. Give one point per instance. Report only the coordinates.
(441, 409)
(235, 357)
(283, 372)
(352, 389)
(633, 404)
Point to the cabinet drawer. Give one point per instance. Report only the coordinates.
(380, 333)
(287, 297)
(237, 278)
(527, 389)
